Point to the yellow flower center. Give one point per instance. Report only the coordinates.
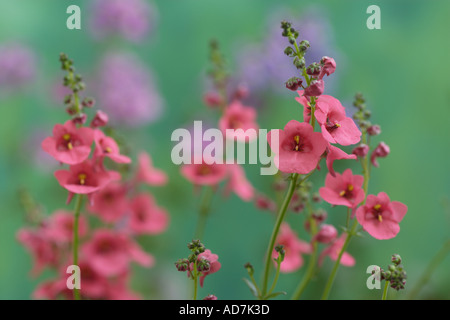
(82, 178)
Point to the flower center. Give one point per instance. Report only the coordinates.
(204, 170)
(82, 178)
(347, 193)
(67, 137)
(331, 125)
(297, 146)
(377, 212)
(108, 150)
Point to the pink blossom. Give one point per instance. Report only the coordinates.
(147, 173)
(304, 101)
(238, 183)
(333, 251)
(238, 116)
(361, 150)
(69, 144)
(343, 190)
(326, 234)
(204, 173)
(336, 126)
(329, 66)
(59, 227)
(381, 151)
(110, 252)
(293, 247)
(315, 88)
(146, 217)
(107, 147)
(214, 264)
(110, 203)
(300, 148)
(334, 153)
(380, 216)
(100, 119)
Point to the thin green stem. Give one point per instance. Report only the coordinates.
(348, 217)
(280, 218)
(275, 280)
(204, 210)
(78, 204)
(195, 275)
(434, 263)
(385, 291)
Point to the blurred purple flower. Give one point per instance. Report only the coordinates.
(126, 91)
(17, 65)
(39, 158)
(264, 66)
(131, 19)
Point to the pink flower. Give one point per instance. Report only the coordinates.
(361, 150)
(380, 216)
(381, 151)
(306, 106)
(374, 130)
(329, 66)
(93, 284)
(212, 99)
(69, 144)
(264, 203)
(59, 227)
(42, 249)
(334, 153)
(214, 264)
(336, 126)
(100, 119)
(333, 251)
(238, 183)
(147, 173)
(238, 116)
(300, 148)
(110, 203)
(203, 173)
(107, 147)
(326, 234)
(146, 217)
(343, 190)
(315, 88)
(293, 247)
(84, 178)
(110, 253)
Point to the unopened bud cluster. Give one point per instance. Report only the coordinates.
(395, 274)
(196, 248)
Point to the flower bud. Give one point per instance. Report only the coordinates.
(381, 151)
(326, 234)
(100, 119)
(374, 130)
(249, 268)
(88, 102)
(210, 297)
(299, 63)
(314, 69)
(79, 119)
(288, 51)
(212, 99)
(203, 265)
(315, 88)
(329, 66)
(294, 83)
(241, 92)
(264, 203)
(361, 150)
(303, 46)
(182, 265)
(396, 259)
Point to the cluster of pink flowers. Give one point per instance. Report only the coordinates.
(106, 251)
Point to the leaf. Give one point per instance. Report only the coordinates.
(275, 294)
(252, 287)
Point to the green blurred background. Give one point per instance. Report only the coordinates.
(401, 69)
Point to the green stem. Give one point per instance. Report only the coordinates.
(280, 218)
(195, 275)
(348, 217)
(205, 207)
(434, 263)
(385, 291)
(275, 280)
(79, 202)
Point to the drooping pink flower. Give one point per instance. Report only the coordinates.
(100, 120)
(53, 289)
(110, 203)
(59, 227)
(145, 215)
(204, 173)
(380, 216)
(214, 264)
(304, 101)
(343, 190)
(43, 250)
(237, 116)
(329, 66)
(238, 183)
(381, 151)
(147, 173)
(336, 126)
(334, 153)
(107, 147)
(293, 247)
(315, 88)
(374, 130)
(299, 148)
(361, 150)
(333, 251)
(84, 178)
(69, 144)
(110, 252)
(327, 233)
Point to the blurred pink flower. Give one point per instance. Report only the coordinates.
(380, 216)
(238, 116)
(203, 173)
(107, 147)
(147, 173)
(214, 264)
(333, 251)
(238, 183)
(293, 247)
(326, 234)
(381, 151)
(110, 203)
(110, 252)
(146, 217)
(334, 153)
(59, 226)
